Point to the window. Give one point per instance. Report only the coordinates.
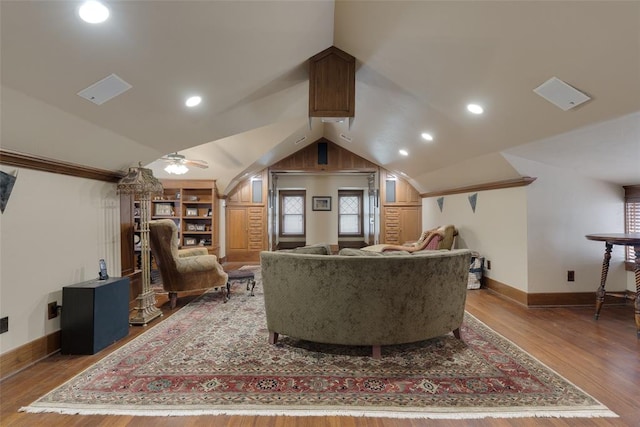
(292, 211)
(350, 213)
(631, 215)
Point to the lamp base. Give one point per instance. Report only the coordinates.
(146, 310)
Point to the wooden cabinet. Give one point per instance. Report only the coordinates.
(401, 210)
(401, 224)
(246, 220)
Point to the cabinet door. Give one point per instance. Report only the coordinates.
(410, 224)
(237, 229)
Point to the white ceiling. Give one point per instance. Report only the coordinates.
(418, 64)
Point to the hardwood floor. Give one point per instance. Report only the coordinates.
(602, 358)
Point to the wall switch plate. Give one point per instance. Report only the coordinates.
(4, 325)
(52, 310)
(571, 276)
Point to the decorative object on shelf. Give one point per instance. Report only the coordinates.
(209, 213)
(136, 241)
(193, 198)
(163, 209)
(178, 164)
(141, 183)
(191, 212)
(321, 203)
(199, 227)
(191, 227)
(190, 241)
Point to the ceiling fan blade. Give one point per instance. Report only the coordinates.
(197, 163)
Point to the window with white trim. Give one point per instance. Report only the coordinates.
(350, 213)
(292, 213)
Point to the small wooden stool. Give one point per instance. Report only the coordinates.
(246, 276)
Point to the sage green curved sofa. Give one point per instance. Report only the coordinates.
(369, 299)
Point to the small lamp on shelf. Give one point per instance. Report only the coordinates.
(142, 184)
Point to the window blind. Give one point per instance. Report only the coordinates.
(631, 214)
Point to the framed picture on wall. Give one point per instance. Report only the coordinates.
(321, 203)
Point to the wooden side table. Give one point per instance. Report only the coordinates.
(625, 239)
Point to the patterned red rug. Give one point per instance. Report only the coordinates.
(214, 358)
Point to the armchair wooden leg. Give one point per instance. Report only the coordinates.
(173, 299)
(456, 333)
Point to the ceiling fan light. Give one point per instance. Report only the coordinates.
(176, 169)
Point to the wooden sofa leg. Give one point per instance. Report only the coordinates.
(456, 333)
(173, 299)
(273, 337)
(376, 351)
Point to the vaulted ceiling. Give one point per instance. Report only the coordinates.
(417, 66)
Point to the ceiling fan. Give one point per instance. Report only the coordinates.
(178, 164)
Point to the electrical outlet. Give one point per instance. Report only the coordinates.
(571, 276)
(52, 310)
(488, 264)
(4, 325)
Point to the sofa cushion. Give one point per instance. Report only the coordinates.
(317, 249)
(357, 252)
(395, 253)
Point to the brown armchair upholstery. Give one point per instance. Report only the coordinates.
(182, 269)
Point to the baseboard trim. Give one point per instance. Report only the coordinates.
(18, 359)
(548, 299)
(505, 290)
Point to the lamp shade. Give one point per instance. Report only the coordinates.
(139, 180)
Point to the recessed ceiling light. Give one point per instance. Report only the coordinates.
(427, 136)
(93, 12)
(404, 152)
(475, 109)
(193, 101)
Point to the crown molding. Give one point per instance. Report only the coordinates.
(496, 185)
(28, 161)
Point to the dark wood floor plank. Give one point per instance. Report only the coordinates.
(601, 357)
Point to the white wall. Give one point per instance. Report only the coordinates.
(563, 207)
(53, 231)
(322, 226)
(497, 229)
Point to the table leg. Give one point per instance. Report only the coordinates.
(600, 293)
(637, 302)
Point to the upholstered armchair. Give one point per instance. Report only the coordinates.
(182, 269)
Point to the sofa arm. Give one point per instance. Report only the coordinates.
(183, 253)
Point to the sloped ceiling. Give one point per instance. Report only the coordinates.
(418, 65)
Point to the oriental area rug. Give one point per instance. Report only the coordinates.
(214, 358)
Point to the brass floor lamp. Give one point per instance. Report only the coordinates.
(141, 183)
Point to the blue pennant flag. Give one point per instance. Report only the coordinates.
(472, 201)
